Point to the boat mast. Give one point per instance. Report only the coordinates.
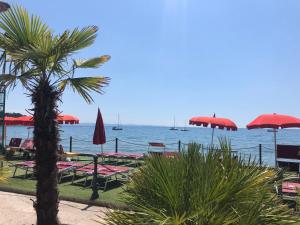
(174, 122)
(118, 120)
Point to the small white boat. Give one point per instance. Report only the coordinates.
(118, 127)
(184, 128)
(174, 126)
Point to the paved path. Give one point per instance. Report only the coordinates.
(17, 209)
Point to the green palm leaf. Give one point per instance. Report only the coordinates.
(84, 85)
(91, 63)
(20, 29)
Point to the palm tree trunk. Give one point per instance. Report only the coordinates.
(44, 99)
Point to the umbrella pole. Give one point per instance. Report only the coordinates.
(275, 146)
(101, 148)
(212, 136)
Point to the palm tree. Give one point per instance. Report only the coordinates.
(42, 62)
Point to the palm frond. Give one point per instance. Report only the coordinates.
(10, 80)
(91, 63)
(81, 38)
(20, 29)
(84, 85)
(202, 187)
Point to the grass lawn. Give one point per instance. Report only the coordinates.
(77, 191)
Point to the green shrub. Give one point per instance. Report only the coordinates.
(202, 188)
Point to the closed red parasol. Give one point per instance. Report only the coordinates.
(99, 137)
(274, 121)
(214, 122)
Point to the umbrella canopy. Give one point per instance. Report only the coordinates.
(99, 137)
(28, 120)
(274, 121)
(22, 120)
(67, 119)
(9, 120)
(214, 122)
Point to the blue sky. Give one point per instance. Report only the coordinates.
(183, 58)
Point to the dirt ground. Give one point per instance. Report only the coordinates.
(17, 209)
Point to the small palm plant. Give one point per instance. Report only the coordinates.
(42, 62)
(202, 188)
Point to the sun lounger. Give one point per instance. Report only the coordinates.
(105, 172)
(64, 168)
(122, 156)
(159, 149)
(289, 187)
(27, 144)
(27, 147)
(13, 146)
(27, 165)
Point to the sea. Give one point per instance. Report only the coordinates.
(136, 138)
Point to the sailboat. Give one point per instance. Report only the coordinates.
(118, 125)
(184, 128)
(174, 127)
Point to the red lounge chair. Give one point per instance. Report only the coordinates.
(103, 171)
(159, 149)
(290, 187)
(27, 147)
(27, 165)
(14, 145)
(27, 144)
(64, 168)
(122, 156)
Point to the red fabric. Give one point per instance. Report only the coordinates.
(67, 119)
(99, 137)
(290, 187)
(274, 121)
(157, 144)
(28, 121)
(23, 120)
(214, 122)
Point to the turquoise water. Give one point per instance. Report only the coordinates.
(135, 138)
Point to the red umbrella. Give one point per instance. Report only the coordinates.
(214, 122)
(22, 120)
(28, 120)
(25, 120)
(67, 119)
(99, 137)
(274, 121)
(9, 120)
